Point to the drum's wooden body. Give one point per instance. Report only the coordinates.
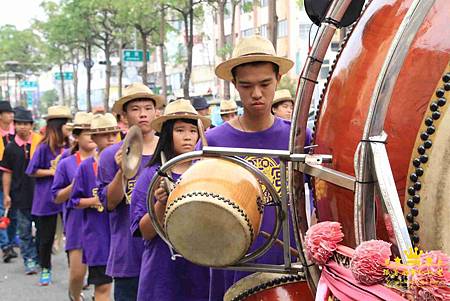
(269, 287)
(343, 111)
(214, 213)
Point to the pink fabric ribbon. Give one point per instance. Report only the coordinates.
(339, 282)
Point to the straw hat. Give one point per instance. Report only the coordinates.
(58, 112)
(104, 123)
(228, 106)
(179, 109)
(252, 49)
(82, 121)
(282, 95)
(137, 91)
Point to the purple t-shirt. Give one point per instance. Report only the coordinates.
(162, 278)
(125, 251)
(275, 137)
(43, 204)
(96, 235)
(72, 217)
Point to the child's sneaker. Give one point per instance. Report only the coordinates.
(30, 267)
(46, 277)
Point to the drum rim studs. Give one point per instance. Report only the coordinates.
(415, 187)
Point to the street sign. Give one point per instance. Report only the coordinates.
(29, 99)
(134, 55)
(67, 75)
(30, 85)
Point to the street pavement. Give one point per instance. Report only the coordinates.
(16, 286)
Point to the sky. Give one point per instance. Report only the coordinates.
(20, 12)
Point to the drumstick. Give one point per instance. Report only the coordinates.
(280, 243)
(169, 185)
(201, 131)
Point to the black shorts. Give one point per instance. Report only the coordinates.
(97, 275)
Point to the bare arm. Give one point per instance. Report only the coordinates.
(145, 224)
(63, 194)
(114, 191)
(89, 202)
(6, 189)
(41, 173)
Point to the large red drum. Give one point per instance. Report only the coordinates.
(270, 287)
(417, 123)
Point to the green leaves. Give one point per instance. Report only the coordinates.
(20, 46)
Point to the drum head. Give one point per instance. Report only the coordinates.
(202, 230)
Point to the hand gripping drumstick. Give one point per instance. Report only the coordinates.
(167, 183)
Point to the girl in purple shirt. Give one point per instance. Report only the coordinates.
(40, 167)
(161, 278)
(96, 233)
(83, 148)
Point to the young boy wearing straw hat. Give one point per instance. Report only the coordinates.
(138, 107)
(96, 232)
(228, 109)
(255, 71)
(283, 104)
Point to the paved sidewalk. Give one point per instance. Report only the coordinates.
(16, 286)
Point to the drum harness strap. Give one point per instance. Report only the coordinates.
(368, 141)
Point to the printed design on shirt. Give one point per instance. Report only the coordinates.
(129, 190)
(270, 168)
(99, 208)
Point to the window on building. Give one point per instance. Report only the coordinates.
(263, 3)
(303, 31)
(248, 32)
(282, 28)
(263, 30)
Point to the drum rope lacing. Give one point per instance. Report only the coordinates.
(269, 284)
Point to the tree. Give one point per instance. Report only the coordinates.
(162, 38)
(272, 25)
(19, 54)
(187, 11)
(55, 48)
(81, 34)
(143, 16)
(219, 7)
(105, 23)
(48, 99)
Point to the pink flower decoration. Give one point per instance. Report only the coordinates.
(369, 261)
(431, 279)
(322, 240)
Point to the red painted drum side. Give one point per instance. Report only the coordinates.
(347, 98)
(298, 291)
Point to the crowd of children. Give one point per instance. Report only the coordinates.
(75, 171)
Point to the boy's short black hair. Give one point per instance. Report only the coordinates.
(276, 68)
